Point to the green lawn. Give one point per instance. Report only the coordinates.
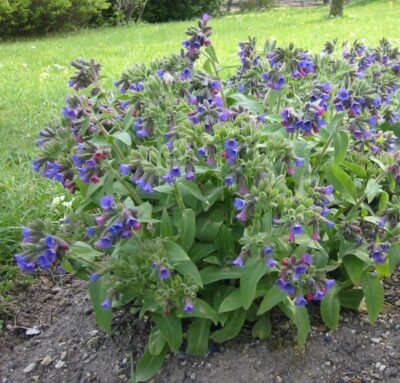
(34, 73)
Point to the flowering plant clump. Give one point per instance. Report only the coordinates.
(208, 202)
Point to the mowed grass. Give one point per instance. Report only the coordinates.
(34, 73)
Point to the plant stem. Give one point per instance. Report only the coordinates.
(324, 150)
(178, 197)
(128, 186)
(364, 195)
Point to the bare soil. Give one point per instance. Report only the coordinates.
(70, 347)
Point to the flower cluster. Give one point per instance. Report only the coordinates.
(40, 249)
(113, 224)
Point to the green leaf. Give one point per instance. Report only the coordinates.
(201, 250)
(186, 224)
(394, 256)
(124, 137)
(98, 293)
(358, 170)
(181, 262)
(342, 182)
(374, 295)
(372, 189)
(208, 225)
(330, 308)
(211, 52)
(191, 188)
(171, 328)
(253, 270)
(262, 328)
(341, 144)
(383, 201)
(166, 228)
(272, 297)
(149, 365)
(232, 326)
(198, 335)
(351, 299)
(224, 242)
(156, 342)
(82, 250)
(231, 302)
(207, 67)
(354, 267)
(299, 316)
(212, 274)
(241, 99)
(201, 310)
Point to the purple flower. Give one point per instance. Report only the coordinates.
(215, 85)
(319, 294)
(231, 143)
(94, 277)
(189, 306)
(378, 256)
(326, 87)
(239, 203)
(206, 18)
(106, 304)
(307, 258)
(242, 216)
(229, 180)
(43, 261)
(186, 73)
(26, 232)
(225, 115)
(202, 152)
(107, 202)
(329, 283)
(343, 94)
(24, 264)
(172, 174)
(285, 286)
(267, 250)
(164, 272)
(239, 261)
(270, 262)
(296, 229)
(299, 270)
(330, 224)
(384, 246)
(104, 242)
(327, 189)
(300, 301)
(299, 161)
(125, 169)
(50, 241)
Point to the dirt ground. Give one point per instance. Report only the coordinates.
(68, 346)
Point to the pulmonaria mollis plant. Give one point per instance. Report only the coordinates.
(209, 201)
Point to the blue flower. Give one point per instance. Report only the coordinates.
(202, 152)
(104, 242)
(231, 143)
(106, 304)
(107, 202)
(225, 115)
(125, 169)
(164, 272)
(296, 229)
(186, 73)
(229, 180)
(343, 94)
(300, 301)
(172, 174)
(24, 264)
(285, 286)
(239, 261)
(329, 283)
(189, 306)
(299, 161)
(299, 270)
(50, 241)
(94, 277)
(215, 85)
(239, 203)
(270, 262)
(43, 261)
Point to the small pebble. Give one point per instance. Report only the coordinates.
(46, 361)
(60, 364)
(63, 355)
(29, 368)
(193, 376)
(375, 340)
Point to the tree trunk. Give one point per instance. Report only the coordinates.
(336, 8)
(326, 2)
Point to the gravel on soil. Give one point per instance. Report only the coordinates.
(70, 348)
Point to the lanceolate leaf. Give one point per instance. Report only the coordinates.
(374, 295)
(231, 302)
(330, 308)
(354, 267)
(299, 316)
(232, 326)
(262, 328)
(156, 342)
(273, 296)
(342, 182)
(254, 269)
(186, 225)
(198, 336)
(341, 144)
(98, 293)
(148, 365)
(171, 328)
(212, 274)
